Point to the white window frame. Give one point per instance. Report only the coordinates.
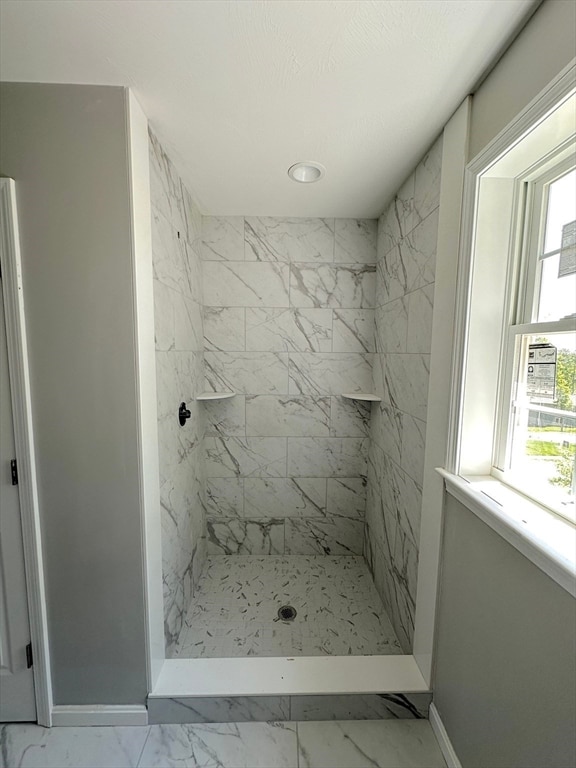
(483, 311)
(523, 282)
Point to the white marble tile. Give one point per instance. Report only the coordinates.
(384, 706)
(193, 220)
(387, 429)
(245, 537)
(407, 383)
(418, 253)
(164, 327)
(237, 709)
(407, 503)
(381, 517)
(168, 254)
(225, 497)
(371, 744)
(314, 536)
(406, 571)
(221, 745)
(346, 497)
(355, 241)
(167, 192)
(338, 286)
(353, 330)
(325, 373)
(281, 239)
(391, 276)
(245, 457)
(31, 746)
(188, 330)
(285, 497)
(287, 330)
(262, 373)
(225, 417)
(223, 238)
(382, 572)
(427, 182)
(224, 329)
(392, 326)
(349, 418)
(287, 416)
(327, 456)
(420, 305)
(413, 445)
(398, 219)
(178, 377)
(246, 284)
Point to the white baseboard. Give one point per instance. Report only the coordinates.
(443, 739)
(100, 714)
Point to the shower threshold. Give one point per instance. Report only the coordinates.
(303, 675)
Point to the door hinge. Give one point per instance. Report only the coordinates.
(29, 659)
(14, 471)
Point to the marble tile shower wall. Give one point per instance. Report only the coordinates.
(289, 327)
(176, 242)
(407, 237)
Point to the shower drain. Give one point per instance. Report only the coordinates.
(287, 613)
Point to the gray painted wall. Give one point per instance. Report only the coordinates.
(505, 675)
(66, 147)
(505, 678)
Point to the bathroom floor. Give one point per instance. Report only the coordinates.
(235, 610)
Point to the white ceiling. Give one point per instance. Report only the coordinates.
(238, 91)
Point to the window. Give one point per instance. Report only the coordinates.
(515, 410)
(536, 440)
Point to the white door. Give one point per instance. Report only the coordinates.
(17, 700)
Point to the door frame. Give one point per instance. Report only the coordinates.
(10, 263)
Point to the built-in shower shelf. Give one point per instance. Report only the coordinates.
(216, 395)
(366, 396)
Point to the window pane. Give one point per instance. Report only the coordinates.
(557, 294)
(543, 444)
(561, 209)
(557, 297)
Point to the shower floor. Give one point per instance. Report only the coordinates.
(235, 610)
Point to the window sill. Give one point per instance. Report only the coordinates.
(546, 540)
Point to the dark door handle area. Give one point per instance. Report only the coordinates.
(183, 414)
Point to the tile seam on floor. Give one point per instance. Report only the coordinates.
(144, 746)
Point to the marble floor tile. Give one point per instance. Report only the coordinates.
(221, 745)
(329, 744)
(31, 746)
(372, 744)
(235, 610)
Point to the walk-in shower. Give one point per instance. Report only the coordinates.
(291, 495)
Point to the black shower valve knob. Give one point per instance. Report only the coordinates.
(183, 414)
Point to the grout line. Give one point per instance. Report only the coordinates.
(144, 745)
(297, 740)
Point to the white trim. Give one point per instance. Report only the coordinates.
(145, 378)
(542, 537)
(558, 90)
(546, 101)
(99, 714)
(303, 675)
(24, 439)
(448, 751)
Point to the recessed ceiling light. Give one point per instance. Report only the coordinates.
(306, 172)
